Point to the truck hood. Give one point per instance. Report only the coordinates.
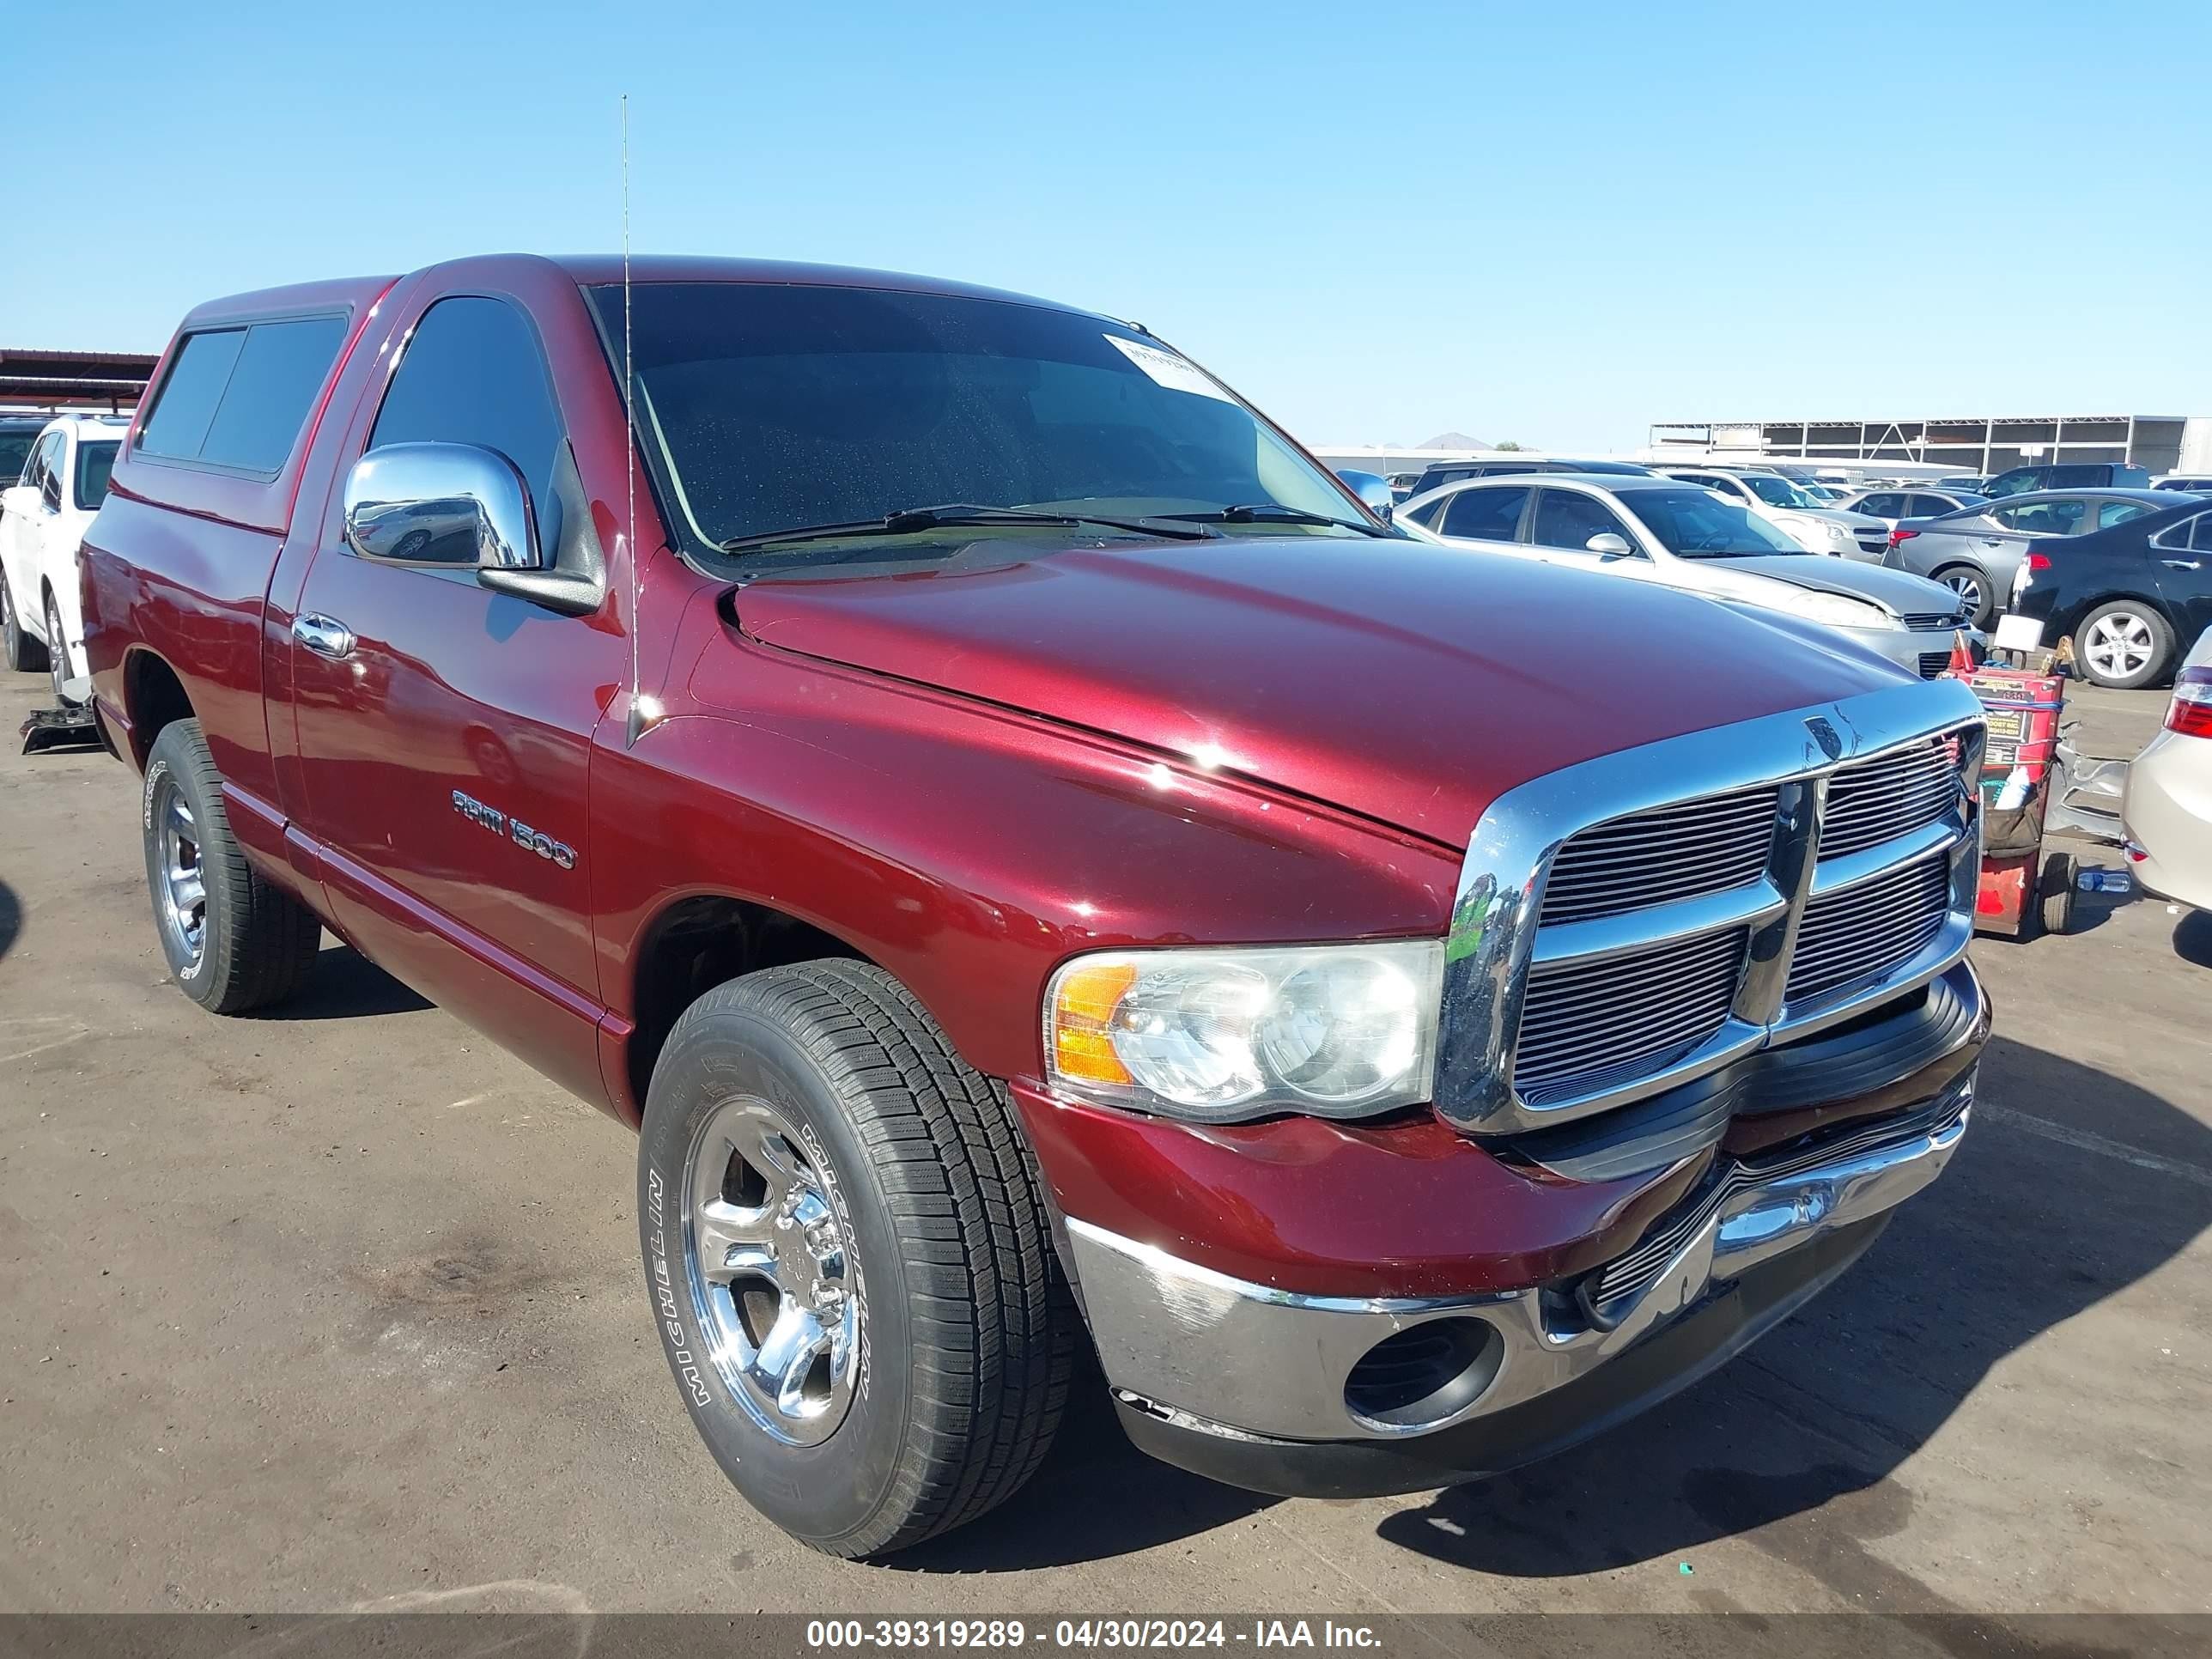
(1893, 590)
(1408, 683)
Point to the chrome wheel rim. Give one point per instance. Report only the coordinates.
(183, 890)
(771, 1276)
(1967, 586)
(2119, 647)
(56, 651)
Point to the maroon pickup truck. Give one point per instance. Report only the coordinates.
(1040, 865)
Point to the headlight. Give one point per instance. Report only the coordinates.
(1838, 611)
(1339, 1030)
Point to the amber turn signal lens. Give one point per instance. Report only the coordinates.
(1084, 1005)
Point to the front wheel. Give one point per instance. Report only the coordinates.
(1972, 587)
(2124, 644)
(22, 653)
(849, 1260)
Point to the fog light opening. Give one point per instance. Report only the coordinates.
(1416, 1378)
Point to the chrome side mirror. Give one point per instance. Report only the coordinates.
(1608, 545)
(444, 504)
(1373, 488)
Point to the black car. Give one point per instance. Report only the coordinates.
(2075, 475)
(1437, 474)
(17, 434)
(2130, 597)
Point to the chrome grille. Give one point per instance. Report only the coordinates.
(1892, 795)
(1868, 929)
(1661, 939)
(1933, 662)
(1584, 1022)
(1677, 852)
(1924, 622)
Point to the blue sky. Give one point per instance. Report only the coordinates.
(1545, 223)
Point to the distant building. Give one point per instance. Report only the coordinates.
(1983, 444)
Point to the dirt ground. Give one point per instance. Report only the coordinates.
(341, 1309)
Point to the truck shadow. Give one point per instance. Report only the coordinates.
(345, 985)
(1096, 1496)
(2192, 938)
(2038, 1218)
(11, 918)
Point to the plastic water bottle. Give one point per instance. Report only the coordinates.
(2105, 881)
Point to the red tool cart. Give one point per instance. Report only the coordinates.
(2022, 892)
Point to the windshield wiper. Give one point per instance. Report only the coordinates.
(908, 519)
(1272, 513)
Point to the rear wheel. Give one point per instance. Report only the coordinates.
(2124, 644)
(234, 940)
(22, 653)
(1971, 584)
(847, 1250)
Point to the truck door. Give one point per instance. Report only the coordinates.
(444, 731)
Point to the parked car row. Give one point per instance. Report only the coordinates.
(1676, 529)
(44, 514)
(1043, 866)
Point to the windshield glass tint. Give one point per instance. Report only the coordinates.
(1777, 491)
(780, 406)
(1698, 525)
(94, 463)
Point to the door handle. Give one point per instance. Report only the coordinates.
(2183, 564)
(324, 635)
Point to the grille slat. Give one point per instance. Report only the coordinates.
(1684, 850)
(1883, 798)
(1869, 928)
(1643, 1006)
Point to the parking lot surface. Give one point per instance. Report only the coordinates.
(340, 1308)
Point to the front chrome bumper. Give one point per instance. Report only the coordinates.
(1217, 1355)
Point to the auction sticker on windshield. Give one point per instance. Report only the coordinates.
(1168, 369)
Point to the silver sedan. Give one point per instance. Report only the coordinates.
(1975, 551)
(2167, 809)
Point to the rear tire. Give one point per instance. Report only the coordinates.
(1971, 584)
(927, 1207)
(22, 652)
(2055, 892)
(2124, 644)
(234, 940)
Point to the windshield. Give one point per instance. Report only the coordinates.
(94, 463)
(1696, 524)
(783, 408)
(1776, 490)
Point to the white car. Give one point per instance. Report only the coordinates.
(1680, 535)
(2166, 812)
(43, 519)
(1806, 520)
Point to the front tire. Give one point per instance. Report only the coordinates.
(22, 652)
(234, 940)
(2124, 644)
(849, 1256)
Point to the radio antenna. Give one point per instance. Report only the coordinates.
(637, 712)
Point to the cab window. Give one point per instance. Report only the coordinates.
(473, 373)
